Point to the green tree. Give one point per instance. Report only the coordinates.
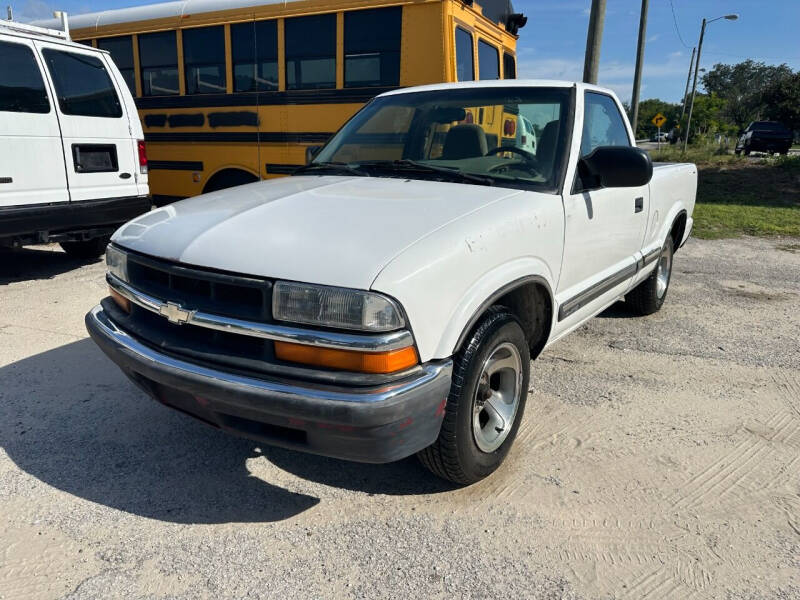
(743, 86)
(782, 99)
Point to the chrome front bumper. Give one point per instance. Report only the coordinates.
(373, 424)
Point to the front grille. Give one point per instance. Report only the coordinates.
(236, 296)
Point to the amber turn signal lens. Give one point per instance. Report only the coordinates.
(347, 360)
(121, 301)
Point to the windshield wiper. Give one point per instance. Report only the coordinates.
(412, 166)
(330, 166)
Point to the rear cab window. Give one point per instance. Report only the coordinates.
(83, 86)
(22, 88)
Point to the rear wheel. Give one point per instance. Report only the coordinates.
(486, 401)
(87, 248)
(648, 297)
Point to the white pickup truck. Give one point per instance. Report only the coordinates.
(388, 299)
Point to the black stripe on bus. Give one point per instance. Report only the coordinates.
(240, 137)
(155, 120)
(240, 118)
(281, 169)
(174, 165)
(187, 120)
(346, 96)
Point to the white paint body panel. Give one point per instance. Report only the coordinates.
(441, 249)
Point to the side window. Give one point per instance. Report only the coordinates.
(372, 47)
(465, 63)
(254, 47)
(121, 50)
(158, 60)
(204, 60)
(311, 52)
(509, 66)
(83, 86)
(488, 61)
(21, 84)
(602, 124)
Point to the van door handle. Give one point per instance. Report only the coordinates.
(638, 205)
(124, 175)
(6, 180)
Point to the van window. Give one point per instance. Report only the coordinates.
(602, 124)
(21, 84)
(372, 47)
(121, 49)
(204, 60)
(488, 61)
(509, 66)
(254, 47)
(158, 60)
(465, 63)
(311, 52)
(83, 87)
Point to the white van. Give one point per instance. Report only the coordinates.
(73, 164)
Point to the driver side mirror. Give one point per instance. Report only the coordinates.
(617, 166)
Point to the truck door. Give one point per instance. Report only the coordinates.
(98, 151)
(31, 156)
(604, 227)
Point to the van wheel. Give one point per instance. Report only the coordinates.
(486, 401)
(86, 249)
(648, 297)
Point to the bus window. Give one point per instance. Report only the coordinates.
(465, 64)
(372, 47)
(509, 66)
(311, 52)
(158, 60)
(488, 61)
(121, 49)
(204, 60)
(255, 56)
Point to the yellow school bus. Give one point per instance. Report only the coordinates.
(230, 92)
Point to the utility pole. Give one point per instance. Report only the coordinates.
(594, 39)
(688, 81)
(637, 76)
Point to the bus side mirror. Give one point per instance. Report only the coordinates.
(311, 152)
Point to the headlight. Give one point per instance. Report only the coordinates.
(334, 307)
(117, 262)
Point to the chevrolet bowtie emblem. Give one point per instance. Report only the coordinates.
(174, 313)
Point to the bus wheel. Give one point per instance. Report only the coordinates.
(227, 179)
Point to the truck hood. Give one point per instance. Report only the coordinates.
(329, 230)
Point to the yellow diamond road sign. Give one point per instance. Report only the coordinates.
(659, 120)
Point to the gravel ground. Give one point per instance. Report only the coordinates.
(659, 457)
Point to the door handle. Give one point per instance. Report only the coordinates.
(6, 180)
(124, 175)
(638, 204)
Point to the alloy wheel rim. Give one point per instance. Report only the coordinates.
(663, 272)
(496, 400)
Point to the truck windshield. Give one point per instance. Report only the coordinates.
(506, 136)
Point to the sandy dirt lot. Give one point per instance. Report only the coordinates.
(659, 458)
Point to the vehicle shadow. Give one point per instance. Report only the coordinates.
(69, 418)
(25, 264)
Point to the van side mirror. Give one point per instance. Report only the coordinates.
(617, 166)
(311, 152)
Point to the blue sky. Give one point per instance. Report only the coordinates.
(553, 42)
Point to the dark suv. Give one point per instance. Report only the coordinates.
(764, 136)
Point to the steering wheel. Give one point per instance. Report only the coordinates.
(529, 157)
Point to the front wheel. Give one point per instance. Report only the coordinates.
(86, 249)
(486, 401)
(648, 297)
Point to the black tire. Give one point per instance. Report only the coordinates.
(647, 297)
(455, 455)
(86, 249)
(747, 151)
(737, 152)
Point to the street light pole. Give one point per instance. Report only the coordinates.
(697, 68)
(637, 76)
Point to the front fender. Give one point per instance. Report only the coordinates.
(443, 279)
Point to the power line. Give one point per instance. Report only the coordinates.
(677, 29)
